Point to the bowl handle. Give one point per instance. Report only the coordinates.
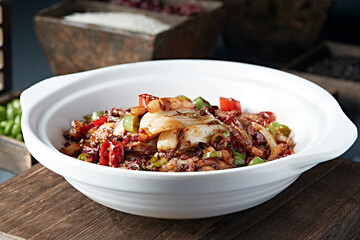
(332, 145)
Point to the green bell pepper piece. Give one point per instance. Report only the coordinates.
(200, 102)
(256, 160)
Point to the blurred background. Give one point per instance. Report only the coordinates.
(31, 66)
(285, 35)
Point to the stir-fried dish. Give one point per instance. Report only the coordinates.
(175, 134)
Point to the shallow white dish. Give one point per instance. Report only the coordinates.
(321, 132)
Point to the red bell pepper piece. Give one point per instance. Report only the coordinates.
(229, 104)
(144, 99)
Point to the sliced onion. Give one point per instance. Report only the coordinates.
(168, 140)
(268, 136)
(192, 136)
(169, 104)
(119, 129)
(153, 124)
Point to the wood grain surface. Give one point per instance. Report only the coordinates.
(324, 203)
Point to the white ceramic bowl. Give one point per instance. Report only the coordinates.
(321, 132)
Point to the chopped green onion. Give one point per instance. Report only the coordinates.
(83, 156)
(213, 154)
(131, 123)
(160, 162)
(184, 98)
(256, 160)
(239, 158)
(200, 102)
(226, 134)
(239, 161)
(96, 115)
(154, 159)
(235, 153)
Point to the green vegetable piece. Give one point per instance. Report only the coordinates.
(10, 112)
(277, 127)
(82, 156)
(96, 115)
(237, 154)
(154, 159)
(200, 102)
(16, 103)
(272, 127)
(8, 127)
(131, 123)
(88, 117)
(2, 113)
(256, 160)
(213, 154)
(17, 119)
(285, 130)
(184, 98)
(16, 129)
(239, 161)
(226, 134)
(3, 124)
(160, 162)
(19, 137)
(239, 158)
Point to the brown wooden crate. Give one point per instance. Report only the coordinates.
(73, 47)
(348, 91)
(14, 155)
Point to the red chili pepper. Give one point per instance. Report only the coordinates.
(104, 154)
(111, 154)
(116, 155)
(95, 123)
(86, 128)
(144, 99)
(100, 121)
(268, 116)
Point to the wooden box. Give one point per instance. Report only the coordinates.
(72, 47)
(348, 91)
(273, 30)
(14, 156)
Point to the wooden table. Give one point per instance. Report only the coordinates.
(324, 203)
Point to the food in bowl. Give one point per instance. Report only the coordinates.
(175, 134)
